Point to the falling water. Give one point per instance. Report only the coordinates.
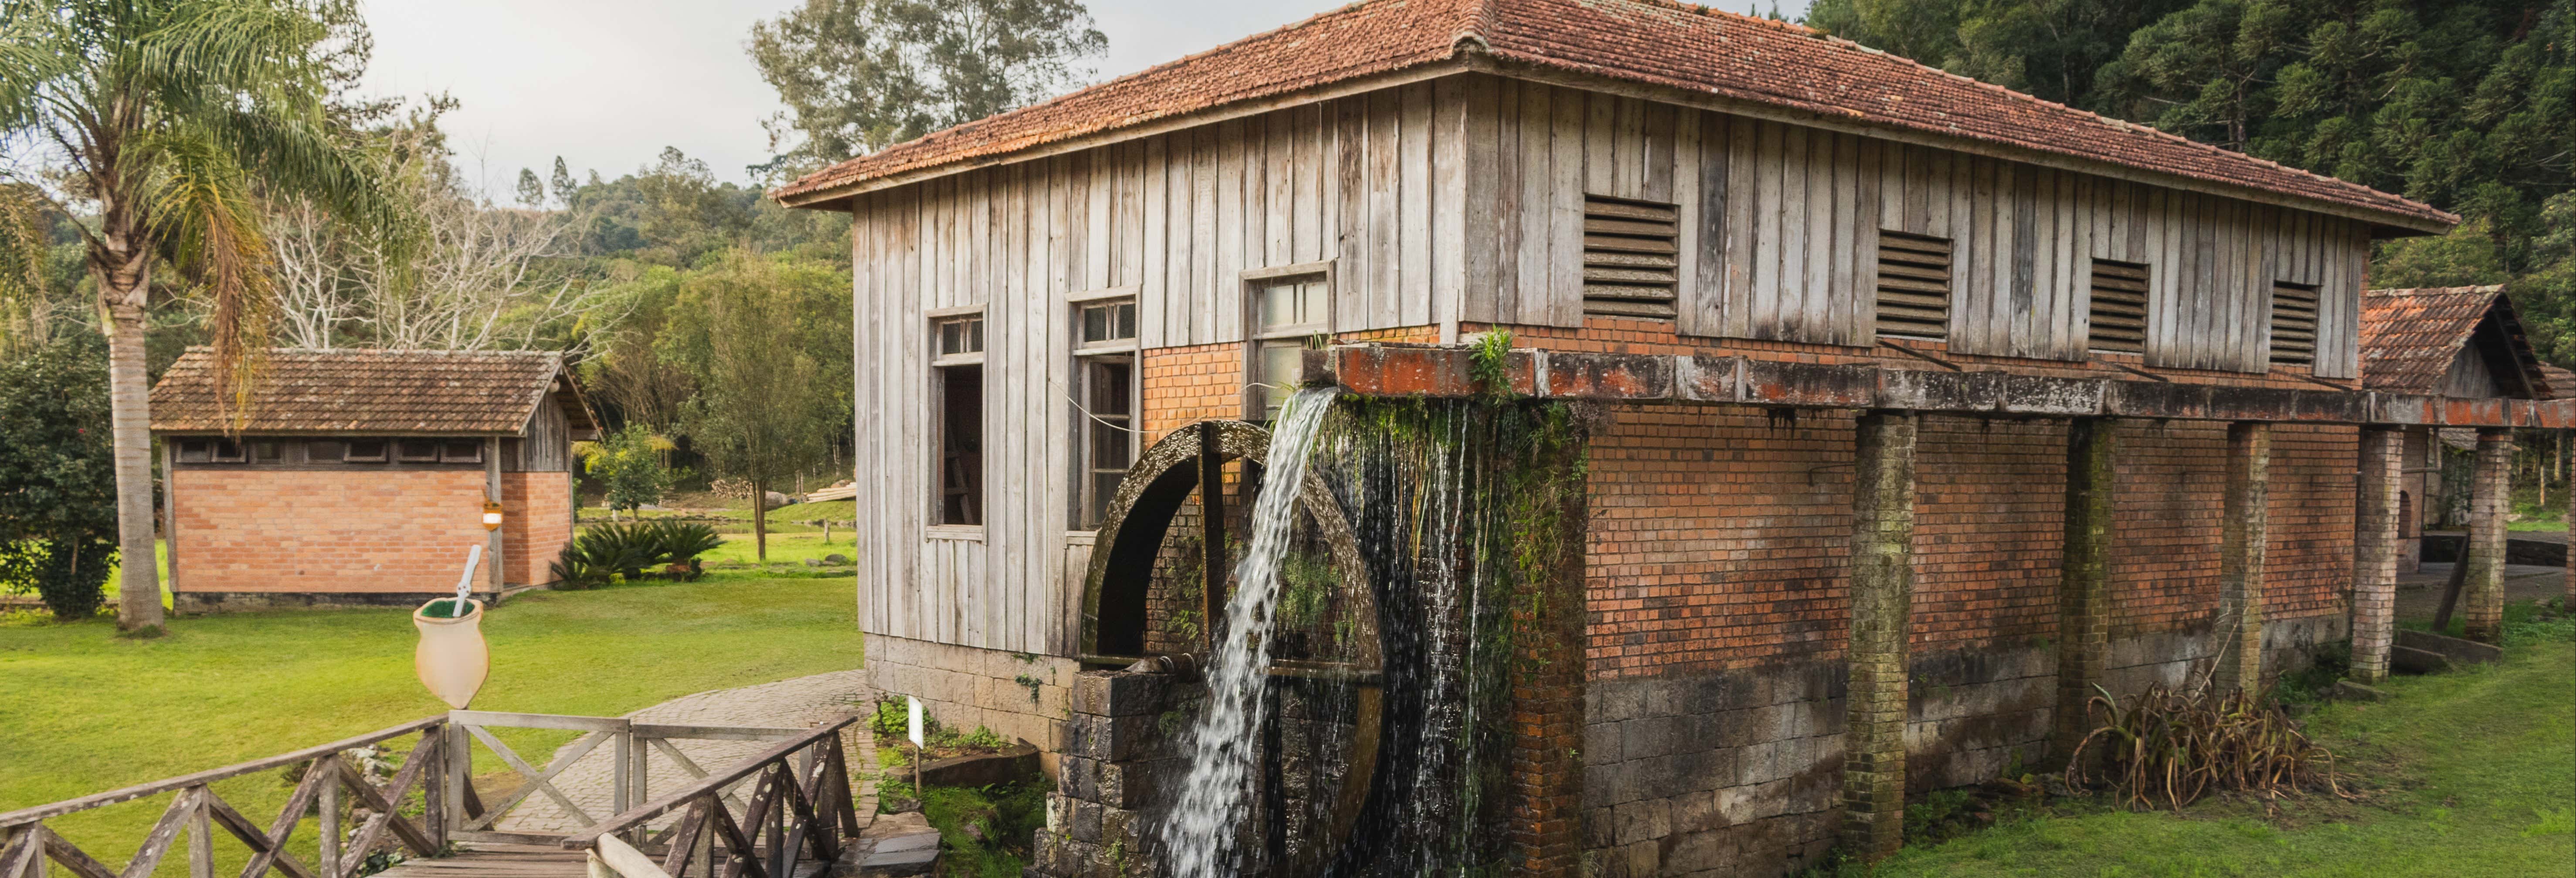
(1214, 796)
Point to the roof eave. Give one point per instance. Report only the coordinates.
(837, 197)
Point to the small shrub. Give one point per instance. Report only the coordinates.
(69, 575)
(610, 553)
(2162, 748)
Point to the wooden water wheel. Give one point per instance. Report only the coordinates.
(1327, 666)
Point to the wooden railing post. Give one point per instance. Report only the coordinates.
(459, 764)
(201, 835)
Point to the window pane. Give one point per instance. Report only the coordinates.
(1280, 362)
(1125, 325)
(952, 337)
(416, 449)
(467, 451)
(268, 451)
(1095, 323)
(1108, 445)
(1109, 391)
(975, 333)
(365, 451)
(961, 461)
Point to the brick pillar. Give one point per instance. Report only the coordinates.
(2490, 494)
(1545, 808)
(1882, 585)
(2084, 576)
(2376, 548)
(2244, 535)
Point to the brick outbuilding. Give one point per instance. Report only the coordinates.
(356, 477)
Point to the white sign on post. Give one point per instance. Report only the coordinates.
(913, 725)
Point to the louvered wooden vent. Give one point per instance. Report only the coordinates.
(1629, 250)
(1913, 285)
(2294, 323)
(2119, 313)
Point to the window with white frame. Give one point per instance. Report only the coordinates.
(1104, 332)
(957, 389)
(1288, 312)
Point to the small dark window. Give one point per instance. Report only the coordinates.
(1913, 285)
(416, 450)
(268, 451)
(1630, 257)
(364, 451)
(320, 450)
(461, 451)
(961, 438)
(961, 335)
(2294, 323)
(2118, 316)
(1108, 321)
(196, 450)
(227, 451)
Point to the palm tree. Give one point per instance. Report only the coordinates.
(168, 121)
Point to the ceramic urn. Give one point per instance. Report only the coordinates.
(452, 659)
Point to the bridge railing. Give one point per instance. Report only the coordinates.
(799, 804)
(629, 745)
(27, 845)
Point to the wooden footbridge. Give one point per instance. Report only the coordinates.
(784, 813)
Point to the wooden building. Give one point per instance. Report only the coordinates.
(362, 476)
(1696, 221)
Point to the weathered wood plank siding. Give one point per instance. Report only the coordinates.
(1372, 184)
(1780, 224)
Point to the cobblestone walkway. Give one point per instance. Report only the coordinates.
(796, 703)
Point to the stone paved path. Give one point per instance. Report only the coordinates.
(796, 703)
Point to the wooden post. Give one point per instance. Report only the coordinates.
(1882, 583)
(2490, 494)
(326, 850)
(2084, 576)
(1212, 533)
(2376, 535)
(170, 516)
(492, 491)
(2245, 534)
(201, 837)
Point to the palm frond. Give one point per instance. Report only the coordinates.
(22, 265)
(202, 202)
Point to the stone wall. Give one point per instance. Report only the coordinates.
(1111, 792)
(1017, 695)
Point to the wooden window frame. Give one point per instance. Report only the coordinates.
(1087, 471)
(940, 320)
(402, 452)
(1257, 337)
(349, 451)
(447, 451)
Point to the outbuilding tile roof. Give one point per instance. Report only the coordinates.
(1644, 41)
(2410, 337)
(364, 391)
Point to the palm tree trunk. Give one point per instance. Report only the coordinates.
(138, 598)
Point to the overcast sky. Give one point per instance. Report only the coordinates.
(607, 83)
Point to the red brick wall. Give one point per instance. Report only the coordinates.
(325, 531)
(1718, 536)
(536, 516)
(1182, 386)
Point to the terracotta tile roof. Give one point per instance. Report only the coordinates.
(2562, 383)
(2409, 337)
(1643, 41)
(365, 391)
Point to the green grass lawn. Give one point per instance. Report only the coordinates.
(2464, 774)
(82, 710)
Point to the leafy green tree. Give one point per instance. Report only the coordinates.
(57, 475)
(768, 406)
(2049, 48)
(628, 465)
(859, 75)
(168, 119)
